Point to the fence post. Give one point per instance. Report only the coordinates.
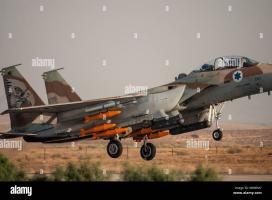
(261, 145)
(44, 151)
(127, 151)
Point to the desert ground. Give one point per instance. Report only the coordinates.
(245, 153)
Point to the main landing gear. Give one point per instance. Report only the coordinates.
(218, 133)
(115, 148)
(147, 151)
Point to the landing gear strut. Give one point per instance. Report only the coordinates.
(148, 150)
(218, 133)
(115, 148)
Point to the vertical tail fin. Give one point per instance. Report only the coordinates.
(57, 89)
(19, 94)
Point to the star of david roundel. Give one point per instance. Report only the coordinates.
(237, 76)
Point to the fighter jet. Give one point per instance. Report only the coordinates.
(191, 102)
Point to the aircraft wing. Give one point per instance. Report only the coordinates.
(9, 135)
(55, 108)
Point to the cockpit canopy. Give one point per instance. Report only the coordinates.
(226, 62)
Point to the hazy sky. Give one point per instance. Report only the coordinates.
(105, 45)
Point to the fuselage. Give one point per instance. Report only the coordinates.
(256, 79)
(181, 106)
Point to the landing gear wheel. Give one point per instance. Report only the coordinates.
(148, 151)
(217, 134)
(115, 148)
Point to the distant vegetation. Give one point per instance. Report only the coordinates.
(203, 174)
(93, 172)
(8, 172)
(83, 172)
(131, 173)
(39, 177)
(73, 172)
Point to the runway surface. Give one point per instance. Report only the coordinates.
(243, 177)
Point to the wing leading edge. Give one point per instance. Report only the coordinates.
(55, 108)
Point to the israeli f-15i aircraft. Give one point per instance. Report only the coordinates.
(191, 102)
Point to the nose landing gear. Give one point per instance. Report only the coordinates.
(218, 133)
